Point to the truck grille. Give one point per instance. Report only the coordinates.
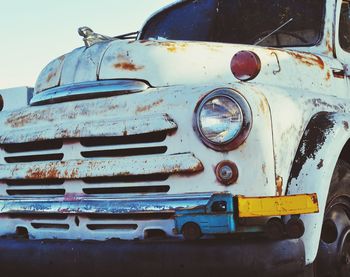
(86, 179)
(80, 166)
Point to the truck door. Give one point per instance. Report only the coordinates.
(221, 219)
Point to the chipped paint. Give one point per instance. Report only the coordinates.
(317, 131)
(307, 59)
(279, 186)
(184, 163)
(329, 43)
(145, 108)
(124, 62)
(172, 47)
(320, 164)
(50, 75)
(128, 66)
(293, 98)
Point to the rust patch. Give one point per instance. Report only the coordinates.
(20, 120)
(128, 66)
(328, 76)
(125, 63)
(148, 107)
(346, 125)
(320, 164)
(279, 185)
(50, 76)
(309, 59)
(263, 168)
(52, 173)
(329, 43)
(174, 46)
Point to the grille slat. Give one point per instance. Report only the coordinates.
(138, 189)
(34, 158)
(184, 163)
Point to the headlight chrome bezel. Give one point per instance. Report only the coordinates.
(246, 112)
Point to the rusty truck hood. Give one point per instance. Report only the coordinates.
(168, 63)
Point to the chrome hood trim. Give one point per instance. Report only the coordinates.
(88, 90)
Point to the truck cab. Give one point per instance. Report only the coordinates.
(246, 97)
(216, 217)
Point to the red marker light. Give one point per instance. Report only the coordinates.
(245, 65)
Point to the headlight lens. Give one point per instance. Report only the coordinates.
(223, 119)
(220, 119)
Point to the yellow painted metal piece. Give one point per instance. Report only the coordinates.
(277, 205)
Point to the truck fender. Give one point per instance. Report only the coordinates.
(313, 166)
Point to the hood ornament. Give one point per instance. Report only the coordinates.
(90, 37)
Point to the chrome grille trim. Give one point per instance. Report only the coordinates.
(87, 205)
(88, 90)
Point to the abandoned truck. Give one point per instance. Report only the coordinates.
(245, 97)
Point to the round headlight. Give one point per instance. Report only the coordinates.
(223, 119)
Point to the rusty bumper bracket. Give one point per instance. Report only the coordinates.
(151, 258)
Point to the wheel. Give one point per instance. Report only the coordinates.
(333, 258)
(274, 228)
(191, 231)
(295, 228)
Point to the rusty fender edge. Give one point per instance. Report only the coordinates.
(250, 257)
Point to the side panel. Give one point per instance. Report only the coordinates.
(315, 160)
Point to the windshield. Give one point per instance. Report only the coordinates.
(273, 23)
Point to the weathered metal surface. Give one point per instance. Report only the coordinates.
(82, 64)
(90, 205)
(50, 75)
(322, 146)
(139, 60)
(94, 128)
(187, 57)
(126, 166)
(291, 88)
(86, 90)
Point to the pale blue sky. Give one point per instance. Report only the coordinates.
(33, 32)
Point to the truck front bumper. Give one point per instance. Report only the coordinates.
(249, 257)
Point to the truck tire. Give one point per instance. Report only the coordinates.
(333, 258)
(191, 231)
